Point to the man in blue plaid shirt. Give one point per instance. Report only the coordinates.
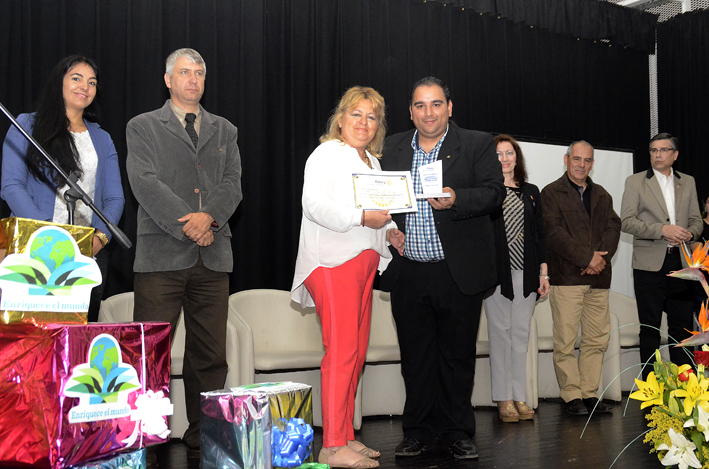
(437, 286)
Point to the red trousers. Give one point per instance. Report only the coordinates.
(343, 301)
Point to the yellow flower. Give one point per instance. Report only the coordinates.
(660, 422)
(649, 391)
(694, 392)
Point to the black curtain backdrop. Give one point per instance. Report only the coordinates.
(276, 69)
(587, 19)
(683, 93)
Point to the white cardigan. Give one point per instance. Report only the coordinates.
(331, 232)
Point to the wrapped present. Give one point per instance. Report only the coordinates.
(292, 416)
(133, 460)
(74, 393)
(239, 430)
(257, 426)
(47, 272)
(235, 431)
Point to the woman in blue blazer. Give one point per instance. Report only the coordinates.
(63, 125)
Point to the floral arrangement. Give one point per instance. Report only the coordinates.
(678, 395)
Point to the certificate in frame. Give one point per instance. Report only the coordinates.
(384, 190)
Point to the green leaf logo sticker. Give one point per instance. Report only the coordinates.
(103, 384)
(52, 275)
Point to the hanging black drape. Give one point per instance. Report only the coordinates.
(683, 92)
(586, 19)
(276, 68)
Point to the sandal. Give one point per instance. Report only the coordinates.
(507, 412)
(359, 447)
(525, 412)
(326, 454)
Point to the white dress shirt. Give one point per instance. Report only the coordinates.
(667, 185)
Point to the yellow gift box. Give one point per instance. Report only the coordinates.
(15, 233)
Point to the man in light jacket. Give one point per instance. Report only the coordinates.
(661, 211)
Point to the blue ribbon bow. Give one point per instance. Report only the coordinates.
(291, 447)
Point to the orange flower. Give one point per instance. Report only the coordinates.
(699, 256)
(684, 376)
(702, 336)
(697, 262)
(703, 318)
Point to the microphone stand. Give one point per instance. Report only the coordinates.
(75, 191)
(71, 196)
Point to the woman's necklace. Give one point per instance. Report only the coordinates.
(76, 124)
(367, 162)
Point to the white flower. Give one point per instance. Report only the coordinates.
(681, 452)
(702, 425)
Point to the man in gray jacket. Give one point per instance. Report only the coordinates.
(660, 210)
(185, 171)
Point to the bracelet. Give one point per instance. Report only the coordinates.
(101, 236)
(544, 276)
(363, 212)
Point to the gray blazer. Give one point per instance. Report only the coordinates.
(171, 178)
(643, 213)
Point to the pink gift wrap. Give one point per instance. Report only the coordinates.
(74, 393)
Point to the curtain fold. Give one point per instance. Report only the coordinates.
(585, 19)
(683, 94)
(276, 69)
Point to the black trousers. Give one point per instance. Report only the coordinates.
(655, 292)
(437, 326)
(204, 295)
(97, 291)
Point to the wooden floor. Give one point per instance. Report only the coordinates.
(552, 440)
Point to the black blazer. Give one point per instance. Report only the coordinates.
(535, 247)
(472, 170)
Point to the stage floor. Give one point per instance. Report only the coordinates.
(552, 440)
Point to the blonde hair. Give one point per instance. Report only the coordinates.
(349, 100)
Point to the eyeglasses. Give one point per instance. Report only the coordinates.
(664, 151)
(508, 154)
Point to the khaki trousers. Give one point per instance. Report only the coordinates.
(571, 307)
